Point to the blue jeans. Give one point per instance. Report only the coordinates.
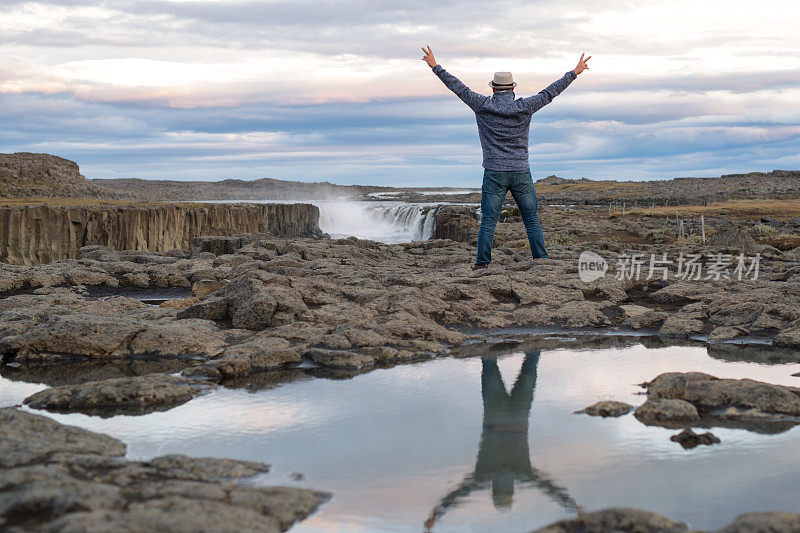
(495, 186)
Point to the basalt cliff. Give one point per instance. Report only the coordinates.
(34, 234)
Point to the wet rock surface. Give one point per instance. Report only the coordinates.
(61, 478)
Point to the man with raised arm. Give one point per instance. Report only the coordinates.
(503, 125)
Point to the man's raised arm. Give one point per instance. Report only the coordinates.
(538, 101)
(468, 96)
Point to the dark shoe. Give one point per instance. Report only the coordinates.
(478, 267)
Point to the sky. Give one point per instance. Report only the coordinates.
(335, 90)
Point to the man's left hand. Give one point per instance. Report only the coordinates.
(582, 65)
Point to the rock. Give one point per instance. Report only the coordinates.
(455, 223)
(789, 338)
(666, 411)
(607, 408)
(181, 337)
(255, 300)
(726, 333)
(137, 395)
(340, 359)
(86, 335)
(636, 521)
(60, 478)
(205, 468)
(29, 438)
(178, 303)
(734, 237)
(616, 520)
(638, 316)
(746, 393)
(673, 384)
(258, 354)
(754, 405)
(204, 287)
(770, 522)
(112, 336)
(689, 439)
(681, 326)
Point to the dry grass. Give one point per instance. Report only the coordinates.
(90, 202)
(607, 185)
(756, 208)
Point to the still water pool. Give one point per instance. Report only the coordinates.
(478, 444)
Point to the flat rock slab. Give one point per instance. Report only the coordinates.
(61, 478)
(137, 395)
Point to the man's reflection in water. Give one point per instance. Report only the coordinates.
(504, 458)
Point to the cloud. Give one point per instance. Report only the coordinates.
(314, 89)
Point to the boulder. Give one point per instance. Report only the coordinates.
(673, 384)
(666, 411)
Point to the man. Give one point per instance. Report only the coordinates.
(503, 125)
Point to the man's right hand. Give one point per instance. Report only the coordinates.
(428, 57)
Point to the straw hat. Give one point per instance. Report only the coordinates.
(503, 80)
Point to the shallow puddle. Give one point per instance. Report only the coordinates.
(400, 446)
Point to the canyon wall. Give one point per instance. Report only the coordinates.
(34, 234)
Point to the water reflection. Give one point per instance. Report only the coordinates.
(504, 458)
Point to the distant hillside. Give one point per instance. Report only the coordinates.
(260, 189)
(778, 184)
(42, 175)
(25, 175)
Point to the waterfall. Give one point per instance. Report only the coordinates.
(378, 221)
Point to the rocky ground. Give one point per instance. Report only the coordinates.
(61, 478)
(261, 303)
(251, 308)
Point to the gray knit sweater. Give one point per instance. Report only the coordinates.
(503, 120)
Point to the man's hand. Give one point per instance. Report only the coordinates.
(428, 57)
(581, 64)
